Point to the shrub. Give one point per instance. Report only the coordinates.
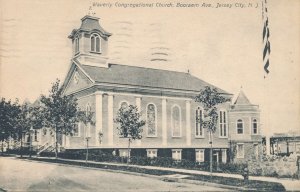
(47, 154)
(106, 156)
(232, 167)
(141, 160)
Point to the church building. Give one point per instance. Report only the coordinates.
(165, 100)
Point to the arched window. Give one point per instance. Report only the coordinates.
(240, 127)
(124, 104)
(151, 120)
(76, 45)
(176, 121)
(199, 118)
(95, 43)
(223, 123)
(254, 126)
(88, 108)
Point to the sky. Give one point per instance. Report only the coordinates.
(222, 46)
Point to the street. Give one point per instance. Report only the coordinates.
(24, 175)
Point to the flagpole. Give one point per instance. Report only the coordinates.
(266, 52)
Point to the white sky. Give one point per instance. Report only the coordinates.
(222, 46)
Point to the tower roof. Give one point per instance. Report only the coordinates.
(242, 99)
(89, 24)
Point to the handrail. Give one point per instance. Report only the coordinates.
(45, 147)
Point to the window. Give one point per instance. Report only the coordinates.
(176, 154)
(254, 126)
(123, 152)
(151, 153)
(176, 121)
(76, 130)
(35, 135)
(124, 104)
(76, 45)
(76, 77)
(199, 118)
(223, 123)
(240, 150)
(199, 155)
(88, 109)
(95, 43)
(240, 127)
(224, 155)
(151, 120)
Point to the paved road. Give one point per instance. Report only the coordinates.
(23, 175)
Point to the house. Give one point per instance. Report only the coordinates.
(165, 99)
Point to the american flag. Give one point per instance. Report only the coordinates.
(266, 35)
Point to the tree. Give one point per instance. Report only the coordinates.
(59, 112)
(86, 117)
(129, 124)
(28, 119)
(8, 119)
(23, 124)
(210, 98)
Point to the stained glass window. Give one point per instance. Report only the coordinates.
(151, 120)
(176, 121)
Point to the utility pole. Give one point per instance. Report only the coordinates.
(211, 154)
(87, 149)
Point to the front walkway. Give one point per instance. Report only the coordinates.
(289, 184)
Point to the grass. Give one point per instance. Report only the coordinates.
(250, 185)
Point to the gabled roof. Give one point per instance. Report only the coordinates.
(242, 99)
(146, 77)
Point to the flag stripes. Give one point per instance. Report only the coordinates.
(266, 35)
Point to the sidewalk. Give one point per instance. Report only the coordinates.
(289, 184)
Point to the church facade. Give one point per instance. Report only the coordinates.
(165, 100)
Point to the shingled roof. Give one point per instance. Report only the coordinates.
(146, 77)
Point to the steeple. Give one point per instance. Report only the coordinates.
(90, 42)
(242, 99)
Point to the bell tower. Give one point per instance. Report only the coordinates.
(90, 43)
